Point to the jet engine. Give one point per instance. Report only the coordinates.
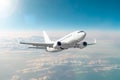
(57, 44)
(83, 45)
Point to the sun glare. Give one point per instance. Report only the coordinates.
(7, 7)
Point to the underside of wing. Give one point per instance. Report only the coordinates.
(39, 44)
(38, 47)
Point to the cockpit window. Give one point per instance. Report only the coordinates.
(80, 31)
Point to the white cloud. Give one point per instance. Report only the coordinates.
(93, 57)
(106, 68)
(40, 78)
(15, 77)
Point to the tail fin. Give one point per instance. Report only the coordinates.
(46, 38)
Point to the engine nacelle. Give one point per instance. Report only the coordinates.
(57, 44)
(83, 45)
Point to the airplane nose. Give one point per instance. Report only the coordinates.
(82, 33)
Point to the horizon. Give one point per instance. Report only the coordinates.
(24, 21)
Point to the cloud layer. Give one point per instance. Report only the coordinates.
(32, 64)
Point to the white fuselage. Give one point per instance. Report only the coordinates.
(70, 39)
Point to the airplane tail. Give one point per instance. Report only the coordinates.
(46, 38)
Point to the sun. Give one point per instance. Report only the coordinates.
(7, 7)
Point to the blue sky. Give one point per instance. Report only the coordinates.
(60, 15)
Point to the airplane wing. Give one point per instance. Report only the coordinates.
(38, 47)
(92, 43)
(38, 44)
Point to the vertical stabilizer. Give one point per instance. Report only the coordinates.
(46, 38)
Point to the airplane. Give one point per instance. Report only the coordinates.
(72, 40)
